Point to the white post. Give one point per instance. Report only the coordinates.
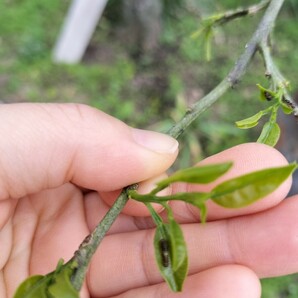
(77, 30)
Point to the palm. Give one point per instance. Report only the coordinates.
(44, 228)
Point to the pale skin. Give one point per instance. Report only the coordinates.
(52, 156)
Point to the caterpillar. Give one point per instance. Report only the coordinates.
(288, 102)
(164, 252)
(268, 95)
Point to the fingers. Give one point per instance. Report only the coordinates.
(45, 145)
(6, 208)
(268, 242)
(231, 281)
(264, 242)
(246, 158)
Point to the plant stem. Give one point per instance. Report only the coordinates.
(261, 34)
(89, 245)
(198, 108)
(235, 74)
(241, 12)
(273, 73)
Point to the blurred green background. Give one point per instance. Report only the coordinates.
(148, 87)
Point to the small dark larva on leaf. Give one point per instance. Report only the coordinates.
(288, 102)
(268, 95)
(165, 252)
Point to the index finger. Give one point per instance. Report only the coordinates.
(44, 146)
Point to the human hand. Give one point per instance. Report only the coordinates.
(52, 154)
(227, 255)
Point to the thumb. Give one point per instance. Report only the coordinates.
(46, 145)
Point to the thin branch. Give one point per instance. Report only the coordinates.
(259, 36)
(202, 105)
(235, 74)
(90, 244)
(229, 15)
(274, 74)
(88, 247)
(222, 18)
(241, 12)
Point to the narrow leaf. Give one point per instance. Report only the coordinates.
(33, 287)
(197, 33)
(163, 257)
(286, 109)
(208, 39)
(250, 122)
(200, 174)
(55, 284)
(266, 94)
(171, 253)
(244, 190)
(270, 134)
(179, 251)
(62, 286)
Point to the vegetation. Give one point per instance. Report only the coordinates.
(162, 84)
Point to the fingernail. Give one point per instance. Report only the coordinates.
(155, 141)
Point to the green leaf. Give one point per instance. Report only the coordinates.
(201, 174)
(244, 190)
(270, 134)
(208, 38)
(179, 251)
(171, 254)
(189, 197)
(56, 284)
(33, 287)
(286, 109)
(267, 94)
(197, 33)
(251, 121)
(62, 287)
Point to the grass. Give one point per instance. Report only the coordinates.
(280, 287)
(151, 91)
